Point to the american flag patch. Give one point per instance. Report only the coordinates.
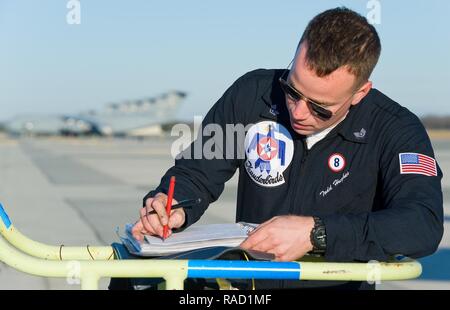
(415, 163)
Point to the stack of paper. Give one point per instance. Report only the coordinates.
(194, 237)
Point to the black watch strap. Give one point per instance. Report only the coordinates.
(318, 236)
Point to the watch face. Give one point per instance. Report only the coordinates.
(320, 238)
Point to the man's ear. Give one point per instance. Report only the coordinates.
(361, 93)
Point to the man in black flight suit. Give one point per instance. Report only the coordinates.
(331, 165)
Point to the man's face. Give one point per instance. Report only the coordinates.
(335, 92)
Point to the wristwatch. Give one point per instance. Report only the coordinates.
(318, 236)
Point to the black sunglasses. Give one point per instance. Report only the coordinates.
(296, 95)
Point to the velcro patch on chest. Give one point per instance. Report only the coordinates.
(269, 150)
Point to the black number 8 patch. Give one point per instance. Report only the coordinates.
(336, 162)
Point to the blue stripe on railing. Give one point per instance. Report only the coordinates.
(243, 269)
(4, 217)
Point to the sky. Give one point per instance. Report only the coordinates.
(124, 50)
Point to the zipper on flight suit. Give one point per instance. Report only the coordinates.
(293, 191)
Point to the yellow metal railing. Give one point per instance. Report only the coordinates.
(41, 250)
(89, 264)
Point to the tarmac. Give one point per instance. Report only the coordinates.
(77, 191)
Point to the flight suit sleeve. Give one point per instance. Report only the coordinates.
(410, 221)
(202, 169)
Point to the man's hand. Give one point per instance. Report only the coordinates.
(288, 237)
(152, 224)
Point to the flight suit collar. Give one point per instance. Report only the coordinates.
(274, 99)
(356, 126)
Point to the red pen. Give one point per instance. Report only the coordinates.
(169, 205)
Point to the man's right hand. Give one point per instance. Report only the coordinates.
(152, 224)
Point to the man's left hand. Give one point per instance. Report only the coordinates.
(288, 237)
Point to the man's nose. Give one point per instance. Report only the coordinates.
(301, 110)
